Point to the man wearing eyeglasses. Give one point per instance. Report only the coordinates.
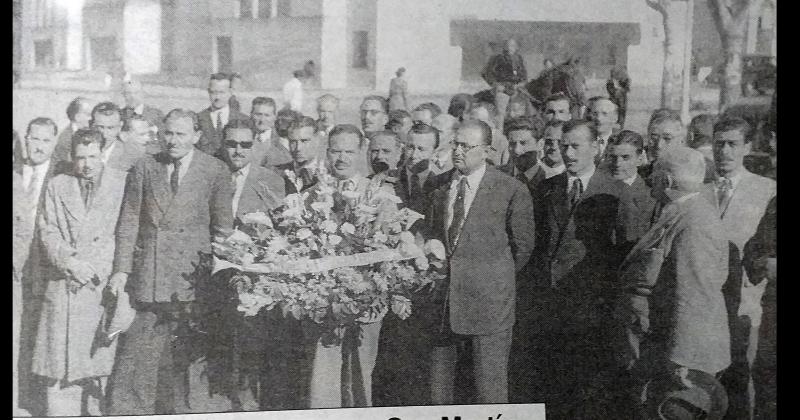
(664, 131)
(485, 220)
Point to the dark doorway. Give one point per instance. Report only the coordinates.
(224, 54)
(43, 51)
(360, 48)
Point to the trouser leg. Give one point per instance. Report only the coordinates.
(443, 374)
(326, 370)
(15, 330)
(490, 358)
(367, 354)
(64, 399)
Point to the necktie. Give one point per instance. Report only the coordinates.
(575, 192)
(305, 175)
(459, 210)
(237, 176)
(219, 121)
(33, 180)
(522, 178)
(175, 176)
(414, 188)
(88, 192)
(724, 194)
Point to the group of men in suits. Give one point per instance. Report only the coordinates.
(577, 255)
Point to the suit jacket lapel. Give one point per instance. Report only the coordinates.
(481, 196)
(73, 201)
(161, 188)
(557, 201)
(189, 183)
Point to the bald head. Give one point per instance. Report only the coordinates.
(686, 166)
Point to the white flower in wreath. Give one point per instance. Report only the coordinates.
(304, 234)
(380, 237)
(436, 248)
(329, 226)
(334, 239)
(239, 236)
(258, 218)
(347, 228)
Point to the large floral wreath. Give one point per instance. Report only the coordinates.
(336, 258)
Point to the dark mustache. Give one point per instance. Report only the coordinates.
(380, 166)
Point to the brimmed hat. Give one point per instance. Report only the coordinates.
(669, 400)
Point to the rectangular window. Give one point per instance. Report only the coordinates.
(360, 49)
(224, 54)
(245, 9)
(264, 9)
(43, 51)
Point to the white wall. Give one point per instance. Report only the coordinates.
(142, 36)
(333, 61)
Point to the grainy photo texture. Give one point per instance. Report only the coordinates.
(257, 205)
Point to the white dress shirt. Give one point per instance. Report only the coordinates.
(735, 179)
(293, 94)
(225, 112)
(264, 136)
(238, 178)
(186, 160)
(602, 143)
(584, 179)
(473, 182)
(629, 181)
(555, 170)
(35, 190)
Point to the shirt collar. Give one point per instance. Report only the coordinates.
(224, 111)
(139, 109)
(550, 172)
(187, 159)
(264, 136)
(473, 179)
(735, 179)
(244, 171)
(584, 178)
(630, 180)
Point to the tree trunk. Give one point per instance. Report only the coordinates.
(731, 87)
(672, 63)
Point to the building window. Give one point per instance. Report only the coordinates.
(264, 9)
(43, 53)
(360, 48)
(245, 9)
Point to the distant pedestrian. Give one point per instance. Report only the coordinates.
(236, 86)
(293, 92)
(618, 86)
(398, 89)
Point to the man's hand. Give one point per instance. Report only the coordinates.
(81, 271)
(117, 283)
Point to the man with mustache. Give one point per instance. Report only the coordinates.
(374, 114)
(603, 112)
(327, 108)
(524, 134)
(552, 161)
(214, 118)
(574, 270)
(260, 383)
(484, 219)
(175, 204)
(77, 227)
(30, 178)
(417, 179)
(268, 151)
(326, 390)
(557, 107)
(742, 198)
(304, 146)
(384, 154)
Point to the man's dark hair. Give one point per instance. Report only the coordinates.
(299, 74)
(384, 103)
(421, 128)
(664, 114)
(573, 125)
(486, 131)
(430, 106)
(386, 133)
(220, 76)
(533, 124)
(263, 100)
(702, 128)
(127, 126)
(734, 124)
(42, 121)
(346, 129)
(303, 122)
(237, 124)
(396, 118)
(75, 106)
(86, 136)
(179, 113)
(558, 96)
(460, 103)
(106, 108)
(627, 137)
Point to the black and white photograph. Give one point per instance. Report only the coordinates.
(395, 209)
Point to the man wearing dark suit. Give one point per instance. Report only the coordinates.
(267, 148)
(417, 181)
(79, 112)
(175, 204)
(214, 118)
(116, 153)
(484, 218)
(742, 199)
(134, 105)
(604, 113)
(624, 155)
(671, 316)
(30, 180)
(249, 350)
(505, 73)
(573, 267)
(523, 135)
(304, 146)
